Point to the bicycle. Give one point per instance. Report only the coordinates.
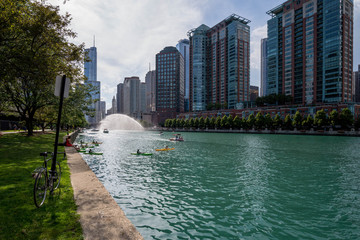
(45, 179)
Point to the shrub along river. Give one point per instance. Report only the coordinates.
(233, 186)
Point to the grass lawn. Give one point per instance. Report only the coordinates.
(19, 218)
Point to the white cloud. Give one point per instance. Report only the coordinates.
(129, 33)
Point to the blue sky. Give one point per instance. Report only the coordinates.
(129, 33)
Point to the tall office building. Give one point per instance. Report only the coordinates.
(220, 64)
(357, 85)
(310, 50)
(183, 47)
(103, 109)
(169, 83)
(263, 67)
(142, 98)
(132, 96)
(90, 71)
(150, 81)
(120, 98)
(114, 105)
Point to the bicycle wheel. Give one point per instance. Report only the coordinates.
(57, 176)
(40, 187)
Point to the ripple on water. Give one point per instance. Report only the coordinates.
(234, 186)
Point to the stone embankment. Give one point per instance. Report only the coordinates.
(329, 132)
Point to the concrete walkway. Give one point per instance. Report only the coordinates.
(100, 216)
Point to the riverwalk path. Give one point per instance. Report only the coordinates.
(100, 216)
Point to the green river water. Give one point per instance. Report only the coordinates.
(233, 186)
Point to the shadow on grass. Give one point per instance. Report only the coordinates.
(19, 218)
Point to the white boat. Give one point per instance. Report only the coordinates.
(106, 131)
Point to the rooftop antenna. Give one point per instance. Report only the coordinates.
(149, 67)
(94, 40)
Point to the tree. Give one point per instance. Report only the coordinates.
(259, 120)
(34, 48)
(223, 122)
(201, 123)
(212, 123)
(207, 122)
(297, 121)
(218, 122)
(334, 118)
(268, 121)
(196, 123)
(278, 122)
(186, 123)
(288, 122)
(320, 119)
(308, 122)
(191, 123)
(346, 118)
(230, 122)
(237, 122)
(250, 122)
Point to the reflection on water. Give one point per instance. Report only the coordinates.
(231, 186)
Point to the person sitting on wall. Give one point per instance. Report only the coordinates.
(68, 142)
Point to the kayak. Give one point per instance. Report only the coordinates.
(93, 153)
(82, 151)
(143, 154)
(164, 149)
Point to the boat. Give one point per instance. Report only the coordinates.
(142, 154)
(106, 130)
(94, 130)
(177, 138)
(93, 153)
(164, 149)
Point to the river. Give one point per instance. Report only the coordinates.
(233, 186)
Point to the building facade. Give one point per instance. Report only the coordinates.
(90, 72)
(132, 96)
(220, 64)
(183, 47)
(263, 70)
(357, 85)
(150, 80)
(120, 98)
(169, 83)
(310, 51)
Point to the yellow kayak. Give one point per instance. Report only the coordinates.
(164, 149)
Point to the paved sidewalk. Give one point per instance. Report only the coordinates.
(100, 216)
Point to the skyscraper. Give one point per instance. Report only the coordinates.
(263, 67)
(220, 64)
(169, 83)
(150, 80)
(310, 50)
(120, 98)
(132, 96)
(357, 85)
(183, 47)
(90, 71)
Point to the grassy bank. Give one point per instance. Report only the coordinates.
(19, 218)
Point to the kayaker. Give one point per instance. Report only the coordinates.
(90, 151)
(138, 151)
(167, 147)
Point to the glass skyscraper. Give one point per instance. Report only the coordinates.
(263, 67)
(183, 47)
(220, 64)
(90, 71)
(310, 51)
(169, 83)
